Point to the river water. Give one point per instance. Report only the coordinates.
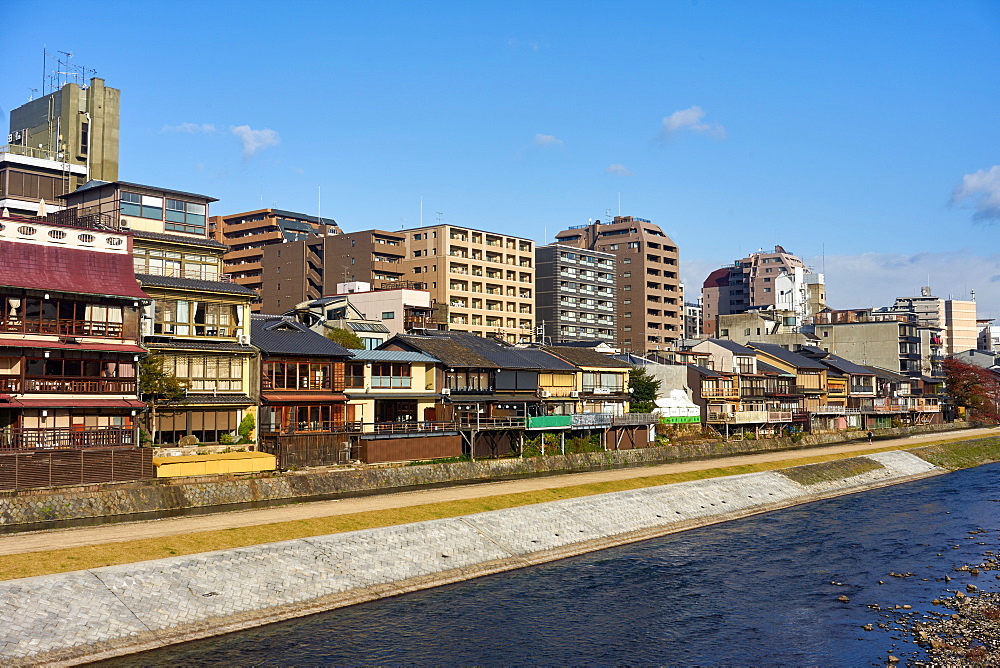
(756, 591)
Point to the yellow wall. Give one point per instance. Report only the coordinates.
(230, 462)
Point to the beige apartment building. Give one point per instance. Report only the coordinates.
(482, 282)
(649, 295)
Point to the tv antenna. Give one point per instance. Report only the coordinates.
(63, 72)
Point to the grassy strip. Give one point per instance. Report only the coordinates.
(813, 474)
(962, 455)
(30, 564)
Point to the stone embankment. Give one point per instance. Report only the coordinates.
(103, 612)
(164, 495)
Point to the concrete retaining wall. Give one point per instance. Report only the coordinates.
(106, 500)
(103, 612)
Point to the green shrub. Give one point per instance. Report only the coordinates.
(226, 439)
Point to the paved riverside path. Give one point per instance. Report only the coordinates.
(38, 541)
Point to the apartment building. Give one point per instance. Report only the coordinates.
(308, 269)
(575, 294)
(650, 299)
(955, 318)
(251, 233)
(482, 282)
(775, 279)
(197, 319)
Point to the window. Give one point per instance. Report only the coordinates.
(603, 383)
(143, 206)
(185, 216)
(31, 315)
(767, 289)
(296, 376)
(170, 263)
(627, 288)
(184, 317)
(391, 375)
(206, 373)
(388, 315)
(354, 375)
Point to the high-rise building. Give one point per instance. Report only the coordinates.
(482, 282)
(955, 318)
(251, 233)
(311, 268)
(57, 143)
(775, 279)
(650, 299)
(575, 294)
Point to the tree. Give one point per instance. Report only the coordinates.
(973, 387)
(346, 338)
(156, 384)
(644, 390)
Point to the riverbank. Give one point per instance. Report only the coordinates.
(164, 497)
(121, 609)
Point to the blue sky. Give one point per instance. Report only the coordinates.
(861, 136)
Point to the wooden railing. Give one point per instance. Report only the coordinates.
(64, 327)
(12, 384)
(73, 439)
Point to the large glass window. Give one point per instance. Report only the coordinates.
(185, 216)
(187, 317)
(390, 375)
(143, 206)
(297, 375)
(171, 263)
(603, 382)
(355, 375)
(472, 380)
(207, 373)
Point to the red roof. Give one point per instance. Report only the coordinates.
(52, 345)
(58, 269)
(78, 403)
(718, 278)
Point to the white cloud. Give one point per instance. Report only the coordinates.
(619, 169)
(983, 189)
(689, 119)
(547, 140)
(190, 128)
(255, 141)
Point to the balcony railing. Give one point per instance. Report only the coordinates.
(12, 384)
(592, 419)
(720, 393)
(804, 389)
(73, 439)
(61, 327)
(834, 410)
(473, 422)
(634, 419)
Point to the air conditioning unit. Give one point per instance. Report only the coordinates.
(544, 394)
(574, 394)
(446, 391)
(244, 339)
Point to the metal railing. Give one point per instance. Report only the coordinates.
(592, 419)
(72, 439)
(834, 410)
(472, 422)
(634, 419)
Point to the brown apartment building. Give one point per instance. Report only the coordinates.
(650, 300)
(311, 268)
(249, 233)
(483, 282)
(752, 283)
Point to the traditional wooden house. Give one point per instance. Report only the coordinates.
(301, 377)
(388, 389)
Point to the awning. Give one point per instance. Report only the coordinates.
(130, 349)
(302, 397)
(78, 403)
(353, 396)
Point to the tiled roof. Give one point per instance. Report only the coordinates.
(211, 399)
(710, 373)
(97, 183)
(154, 281)
(195, 241)
(546, 361)
(886, 374)
(733, 347)
(390, 356)
(507, 357)
(278, 335)
(586, 357)
(449, 352)
(764, 367)
(846, 366)
(795, 359)
(59, 269)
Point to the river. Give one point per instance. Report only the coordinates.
(756, 591)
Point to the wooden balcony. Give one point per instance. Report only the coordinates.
(12, 439)
(61, 327)
(12, 384)
(720, 393)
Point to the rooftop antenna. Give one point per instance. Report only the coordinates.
(319, 204)
(439, 216)
(65, 72)
(421, 211)
(619, 203)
